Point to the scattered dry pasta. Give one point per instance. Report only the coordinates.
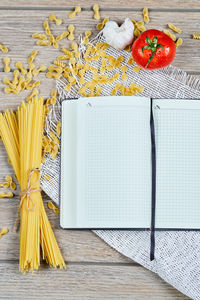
(136, 69)
(6, 61)
(196, 36)
(53, 207)
(3, 231)
(53, 97)
(53, 18)
(6, 195)
(63, 57)
(71, 29)
(59, 63)
(74, 47)
(48, 32)
(19, 66)
(43, 43)
(117, 62)
(72, 14)
(13, 186)
(88, 33)
(62, 36)
(179, 42)
(50, 145)
(58, 128)
(8, 178)
(22, 78)
(171, 35)
(46, 27)
(174, 28)
(136, 88)
(72, 61)
(133, 21)
(103, 65)
(33, 85)
(55, 76)
(98, 91)
(40, 36)
(41, 68)
(100, 77)
(53, 101)
(34, 93)
(81, 74)
(68, 87)
(31, 66)
(131, 60)
(3, 48)
(15, 77)
(116, 88)
(8, 90)
(102, 24)
(124, 76)
(4, 184)
(146, 15)
(32, 56)
(54, 152)
(101, 45)
(131, 90)
(55, 69)
(136, 32)
(53, 40)
(9, 183)
(96, 12)
(67, 52)
(140, 26)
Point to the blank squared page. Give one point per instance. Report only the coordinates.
(114, 163)
(177, 125)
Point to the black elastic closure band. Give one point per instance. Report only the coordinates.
(153, 192)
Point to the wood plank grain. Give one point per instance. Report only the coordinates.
(89, 282)
(104, 4)
(18, 26)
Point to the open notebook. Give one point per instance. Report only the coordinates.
(107, 167)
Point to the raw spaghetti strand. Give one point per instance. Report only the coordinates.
(10, 138)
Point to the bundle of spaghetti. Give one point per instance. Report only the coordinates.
(23, 143)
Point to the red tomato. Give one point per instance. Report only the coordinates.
(153, 49)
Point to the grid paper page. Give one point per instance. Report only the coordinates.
(114, 159)
(177, 125)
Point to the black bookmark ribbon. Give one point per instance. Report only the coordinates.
(153, 192)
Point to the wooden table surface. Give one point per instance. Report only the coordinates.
(94, 270)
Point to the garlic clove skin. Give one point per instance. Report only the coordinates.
(119, 36)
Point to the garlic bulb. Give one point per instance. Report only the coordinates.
(119, 36)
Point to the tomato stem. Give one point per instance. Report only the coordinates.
(153, 46)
